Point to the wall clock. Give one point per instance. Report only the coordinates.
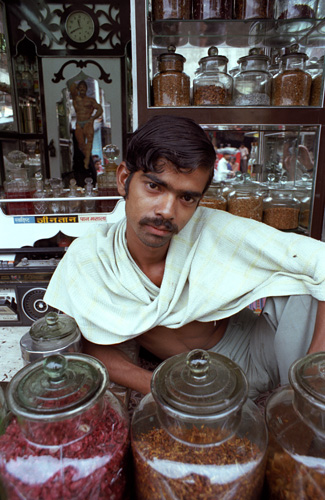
(79, 26)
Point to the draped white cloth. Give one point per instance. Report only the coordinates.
(218, 264)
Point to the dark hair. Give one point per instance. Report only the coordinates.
(179, 140)
(82, 82)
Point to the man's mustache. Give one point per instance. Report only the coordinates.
(158, 222)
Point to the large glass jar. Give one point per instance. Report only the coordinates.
(252, 85)
(171, 86)
(253, 9)
(296, 421)
(106, 182)
(213, 198)
(212, 9)
(53, 334)
(246, 201)
(196, 435)
(316, 93)
(281, 210)
(68, 437)
(292, 85)
(19, 186)
(212, 84)
(171, 9)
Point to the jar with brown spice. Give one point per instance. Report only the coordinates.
(212, 84)
(281, 210)
(171, 9)
(212, 9)
(316, 92)
(295, 417)
(196, 435)
(292, 85)
(246, 201)
(252, 85)
(213, 198)
(171, 86)
(295, 9)
(68, 436)
(253, 9)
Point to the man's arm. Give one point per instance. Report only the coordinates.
(99, 111)
(318, 341)
(120, 368)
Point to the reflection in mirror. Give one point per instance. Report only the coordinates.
(6, 105)
(84, 129)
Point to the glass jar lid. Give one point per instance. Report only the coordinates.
(199, 384)
(255, 55)
(171, 55)
(57, 387)
(213, 58)
(307, 376)
(53, 326)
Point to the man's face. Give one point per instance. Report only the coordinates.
(159, 205)
(82, 90)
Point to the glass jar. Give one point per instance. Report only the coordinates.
(316, 93)
(213, 198)
(171, 86)
(252, 85)
(295, 417)
(68, 436)
(106, 182)
(304, 214)
(53, 334)
(253, 9)
(212, 9)
(19, 186)
(196, 435)
(292, 85)
(294, 9)
(246, 201)
(281, 210)
(212, 85)
(171, 9)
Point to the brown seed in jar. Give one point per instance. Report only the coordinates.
(250, 208)
(211, 94)
(291, 88)
(171, 9)
(281, 217)
(171, 89)
(214, 203)
(213, 9)
(316, 91)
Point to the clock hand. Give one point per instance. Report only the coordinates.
(73, 31)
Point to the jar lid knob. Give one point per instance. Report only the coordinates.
(198, 362)
(52, 318)
(171, 49)
(55, 367)
(213, 51)
(256, 51)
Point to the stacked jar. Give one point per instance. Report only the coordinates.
(171, 86)
(212, 84)
(212, 9)
(171, 9)
(253, 9)
(295, 417)
(196, 435)
(292, 85)
(281, 210)
(292, 10)
(246, 200)
(252, 85)
(213, 198)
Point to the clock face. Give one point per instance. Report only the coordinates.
(79, 26)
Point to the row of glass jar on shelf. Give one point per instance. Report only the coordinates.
(71, 200)
(237, 9)
(256, 82)
(277, 205)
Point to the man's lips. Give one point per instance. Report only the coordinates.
(159, 226)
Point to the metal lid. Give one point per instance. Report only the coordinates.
(307, 377)
(53, 326)
(57, 387)
(199, 384)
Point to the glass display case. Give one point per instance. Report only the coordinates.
(290, 138)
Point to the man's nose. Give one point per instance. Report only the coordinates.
(167, 206)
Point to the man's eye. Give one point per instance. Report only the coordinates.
(188, 198)
(152, 185)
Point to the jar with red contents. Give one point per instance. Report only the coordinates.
(68, 436)
(196, 435)
(295, 416)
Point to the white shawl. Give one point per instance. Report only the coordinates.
(216, 265)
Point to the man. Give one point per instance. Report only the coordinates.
(224, 169)
(244, 154)
(84, 107)
(176, 276)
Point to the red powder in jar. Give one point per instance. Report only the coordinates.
(93, 467)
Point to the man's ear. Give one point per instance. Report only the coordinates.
(122, 174)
